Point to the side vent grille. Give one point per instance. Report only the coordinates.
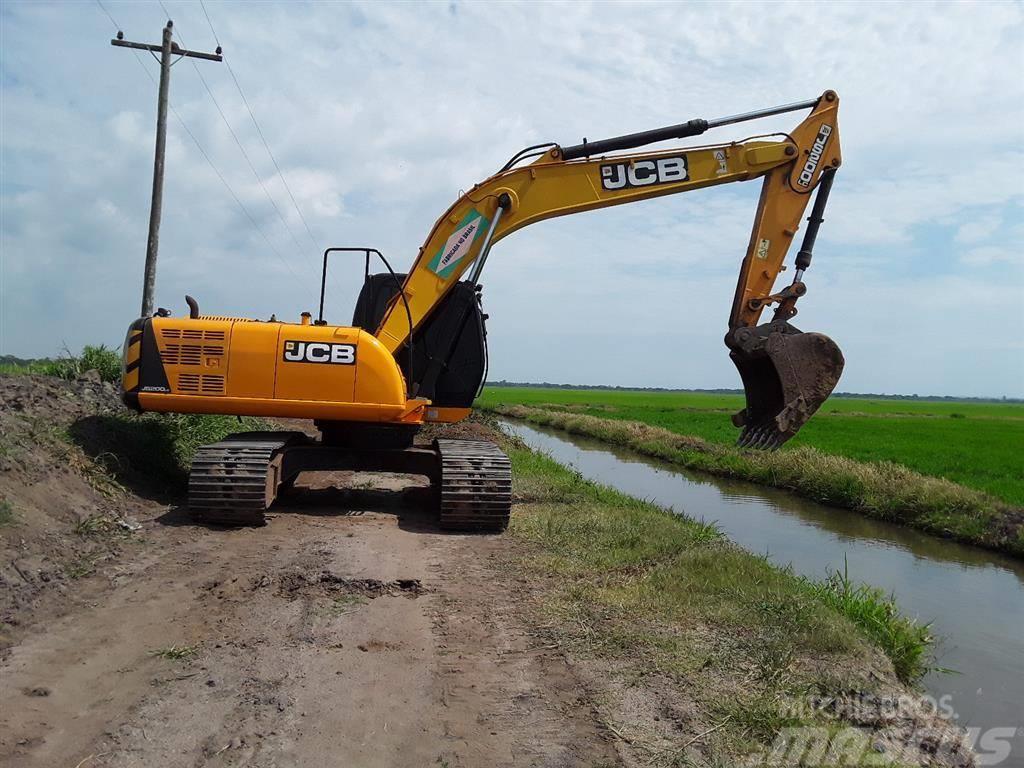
(192, 346)
(189, 354)
(228, 319)
(192, 333)
(200, 384)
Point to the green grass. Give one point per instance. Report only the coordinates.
(907, 643)
(106, 362)
(686, 566)
(343, 605)
(175, 652)
(94, 524)
(84, 565)
(153, 447)
(7, 515)
(883, 490)
(729, 403)
(654, 592)
(977, 445)
(41, 367)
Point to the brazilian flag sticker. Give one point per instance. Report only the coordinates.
(460, 244)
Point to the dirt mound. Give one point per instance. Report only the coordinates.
(63, 518)
(292, 585)
(56, 400)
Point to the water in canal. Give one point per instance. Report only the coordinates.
(974, 598)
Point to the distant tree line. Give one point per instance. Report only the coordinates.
(857, 395)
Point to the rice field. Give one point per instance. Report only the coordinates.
(977, 445)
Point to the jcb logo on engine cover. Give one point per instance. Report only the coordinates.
(644, 173)
(319, 352)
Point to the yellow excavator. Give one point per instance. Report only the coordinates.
(416, 352)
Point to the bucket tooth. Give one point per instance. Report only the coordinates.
(787, 374)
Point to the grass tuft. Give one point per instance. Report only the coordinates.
(906, 642)
(345, 604)
(153, 447)
(83, 566)
(7, 515)
(176, 652)
(94, 525)
(105, 361)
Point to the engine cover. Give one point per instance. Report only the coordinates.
(248, 367)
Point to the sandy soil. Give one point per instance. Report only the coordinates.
(334, 636)
(349, 631)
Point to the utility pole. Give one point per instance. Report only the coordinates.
(167, 49)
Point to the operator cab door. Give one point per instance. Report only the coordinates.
(316, 363)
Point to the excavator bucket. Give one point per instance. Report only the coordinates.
(787, 375)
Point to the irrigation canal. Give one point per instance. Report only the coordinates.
(974, 598)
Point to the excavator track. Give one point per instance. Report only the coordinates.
(475, 485)
(233, 482)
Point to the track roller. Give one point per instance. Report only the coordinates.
(233, 482)
(475, 485)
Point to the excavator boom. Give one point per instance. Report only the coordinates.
(786, 374)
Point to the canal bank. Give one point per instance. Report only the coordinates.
(974, 598)
(881, 490)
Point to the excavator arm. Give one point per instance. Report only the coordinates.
(786, 374)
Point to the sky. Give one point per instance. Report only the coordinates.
(378, 114)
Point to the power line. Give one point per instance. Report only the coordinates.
(238, 142)
(203, 152)
(245, 154)
(215, 38)
(237, 200)
(259, 130)
(263, 139)
(104, 9)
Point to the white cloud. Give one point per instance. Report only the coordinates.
(127, 127)
(979, 229)
(377, 133)
(992, 254)
(885, 210)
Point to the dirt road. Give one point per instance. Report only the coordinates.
(350, 632)
(327, 638)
